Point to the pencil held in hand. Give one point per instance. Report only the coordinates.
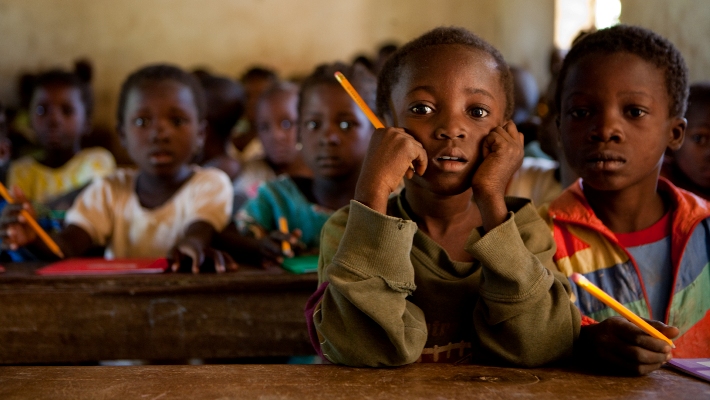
(33, 224)
(283, 228)
(345, 83)
(618, 307)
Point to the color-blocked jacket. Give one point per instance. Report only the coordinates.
(585, 245)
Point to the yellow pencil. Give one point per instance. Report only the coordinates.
(33, 224)
(345, 83)
(283, 227)
(618, 307)
(358, 100)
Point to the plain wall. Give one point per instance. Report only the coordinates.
(227, 36)
(686, 23)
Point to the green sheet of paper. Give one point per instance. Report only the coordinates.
(301, 264)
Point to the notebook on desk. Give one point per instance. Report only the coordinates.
(100, 266)
(698, 367)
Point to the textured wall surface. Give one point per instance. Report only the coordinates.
(229, 35)
(685, 22)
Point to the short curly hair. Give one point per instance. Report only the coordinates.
(160, 73)
(80, 79)
(641, 42)
(392, 70)
(358, 75)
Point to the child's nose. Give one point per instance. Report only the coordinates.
(451, 125)
(330, 135)
(162, 130)
(608, 127)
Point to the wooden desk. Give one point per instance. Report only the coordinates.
(249, 313)
(333, 382)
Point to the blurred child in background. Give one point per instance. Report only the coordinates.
(60, 113)
(689, 166)
(224, 106)
(335, 134)
(256, 80)
(276, 125)
(165, 208)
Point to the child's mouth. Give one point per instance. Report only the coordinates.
(450, 163)
(605, 162)
(160, 158)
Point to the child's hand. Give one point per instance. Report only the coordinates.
(15, 232)
(194, 256)
(618, 345)
(272, 247)
(391, 154)
(502, 154)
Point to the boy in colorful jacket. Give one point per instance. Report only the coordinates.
(621, 94)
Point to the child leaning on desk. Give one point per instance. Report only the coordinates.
(165, 208)
(448, 268)
(622, 96)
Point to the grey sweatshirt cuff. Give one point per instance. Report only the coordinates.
(377, 245)
(510, 271)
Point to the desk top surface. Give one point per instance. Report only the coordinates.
(21, 277)
(329, 381)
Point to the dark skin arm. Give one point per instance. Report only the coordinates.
(616, 345)
(266, 251)
(193, 252)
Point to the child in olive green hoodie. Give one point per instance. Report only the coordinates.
(430, 275)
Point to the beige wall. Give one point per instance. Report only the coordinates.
(685, 22)
(230, 35)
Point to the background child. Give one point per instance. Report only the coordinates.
(622, 95)
(689, 166)
(276, 124)
(430, 274)
(224, 100)
(335, 135)
(167, 207)
(60, 114)
(256, 80)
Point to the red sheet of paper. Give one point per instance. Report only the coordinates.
(100, 266)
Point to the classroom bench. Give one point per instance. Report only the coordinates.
(423, 381)
(248, 313)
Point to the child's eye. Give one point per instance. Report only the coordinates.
(579, 113)
(421, 109)
(286, 124)
(178, 121)
(636, 112)
(40, 110)
(700, 140)
(312, 125)
(478, 112)
(344, 125)
(142, 122)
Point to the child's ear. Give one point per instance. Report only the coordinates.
(677, 133)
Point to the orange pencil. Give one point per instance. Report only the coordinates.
(33, 224)
(283, 227)
(345, 83)
(358, 100)
(618, 307)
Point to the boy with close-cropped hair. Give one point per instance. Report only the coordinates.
(622, 95)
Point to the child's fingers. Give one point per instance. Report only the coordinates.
(670, 332)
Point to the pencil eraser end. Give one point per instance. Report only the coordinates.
(576, 277)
